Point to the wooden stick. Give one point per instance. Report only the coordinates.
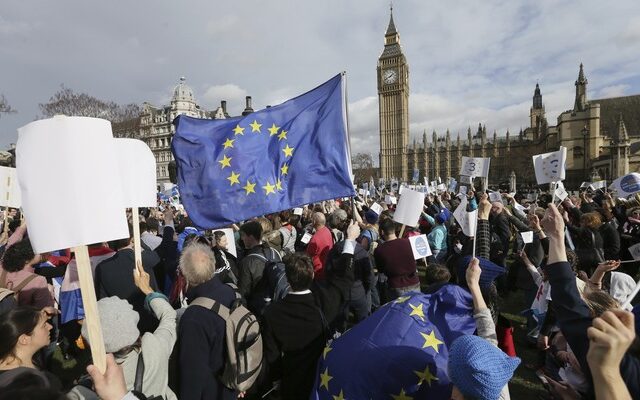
(137, 247)
(6, 208)
(401, 231)
(475, 234)
(91, 316)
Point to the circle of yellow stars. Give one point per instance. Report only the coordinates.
(249, 186)
(424, 377)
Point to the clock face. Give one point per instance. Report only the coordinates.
(389, 76)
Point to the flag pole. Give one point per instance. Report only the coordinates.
(475, 234)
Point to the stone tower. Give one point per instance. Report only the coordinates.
(536, 113)
(393, 103)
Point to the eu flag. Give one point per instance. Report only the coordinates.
(399, 352)
(278, 158)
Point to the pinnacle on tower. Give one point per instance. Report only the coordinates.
(537, 97)
(581, 78)
(622, 130)
(391, 29)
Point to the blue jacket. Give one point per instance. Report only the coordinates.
(202, 345)
(574, 318)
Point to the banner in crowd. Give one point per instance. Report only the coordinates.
(475, 167)
(627, 185)
(400, 351)
(279, 158)
(9, 188)
(467, 220)
(550, 167)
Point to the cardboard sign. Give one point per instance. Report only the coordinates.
(231, 240)
(420, 246)
(138, 173)
(467, 220)
(306, 238)
(377, 208)
(462, 190)
(10, 195)
(69, 203)
(561, 193)
(297, 211)
(527, 237)
(409, 208)
(388, 199)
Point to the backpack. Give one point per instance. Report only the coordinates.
(276, 283)
(5, 292)
(243, 342)
(288, 239)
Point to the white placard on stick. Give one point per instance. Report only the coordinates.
(409, 208)
(527, 237)
(377, 208)
(297, 211)
(495, 196)
(81, 207)
(420, 246)
(231, 240)
(14, 198)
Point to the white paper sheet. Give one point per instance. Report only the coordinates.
(409, 207)
(72, 201)
(495, 196)
(420, 246)
(15, 197)
(377, 208)
(527, 237)
(231, 240)
(137, 173)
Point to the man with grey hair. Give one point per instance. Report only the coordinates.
(201, 332)
(320, 244)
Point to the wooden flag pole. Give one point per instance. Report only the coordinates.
(137, 247)
(475, 234)
(401, 232)
(6, 208)
(92, 317)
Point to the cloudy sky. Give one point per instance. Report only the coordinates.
(470, 61)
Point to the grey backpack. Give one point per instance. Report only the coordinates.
(243, 343)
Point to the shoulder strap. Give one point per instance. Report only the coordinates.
(260, 256)
(137, 385)
(24, 283)
(4, 293)
(213, 305)
(3, 278)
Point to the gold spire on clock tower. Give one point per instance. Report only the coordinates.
(393, 103)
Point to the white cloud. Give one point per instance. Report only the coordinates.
(613, 91)
(233, 94)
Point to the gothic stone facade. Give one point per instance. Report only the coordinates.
(602, 136)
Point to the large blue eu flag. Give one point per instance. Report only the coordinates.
(399, 352)
(278, 158)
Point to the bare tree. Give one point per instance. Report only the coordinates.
(362, 164)
(5, 107)
(67, 102)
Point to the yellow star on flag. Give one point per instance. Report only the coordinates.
(431, 340)
(325, 378)
(238, 130)
(402, 299)
(255, 126)
(249, 187)
(326, 351)
(285, 169)
(339, 396)
(233, 178)
(269, 188)
(282, 135)
(425, 376)
(228, 143)
(273, 130)
(288, 151)
(417, 310)
(278, 185)
(402, 396)
(225, 162)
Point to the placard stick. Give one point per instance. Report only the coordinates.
(6, 208)
(137, 248)
(553, 195)
(475, 234)
(91, 316)
(401, 231)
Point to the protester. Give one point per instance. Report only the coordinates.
(226, 263)
(19, 276)
(319, 245)
(201, 331)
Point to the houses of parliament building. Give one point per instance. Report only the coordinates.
(602, 136)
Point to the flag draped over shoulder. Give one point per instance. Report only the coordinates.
(278, 158)
(399, 352)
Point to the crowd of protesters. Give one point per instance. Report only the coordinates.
(311, 273)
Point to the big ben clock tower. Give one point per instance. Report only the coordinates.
(393, 102)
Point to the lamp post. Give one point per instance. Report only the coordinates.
(585, 134)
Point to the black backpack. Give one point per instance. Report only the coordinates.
(275, 280)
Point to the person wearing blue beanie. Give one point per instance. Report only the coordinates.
(477, 368)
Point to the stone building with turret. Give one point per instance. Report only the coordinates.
(602, 136)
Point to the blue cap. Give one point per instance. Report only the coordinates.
(371, 216)
(490, 271)
(479, 369)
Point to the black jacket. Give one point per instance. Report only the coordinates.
(201, 334)
(295, 329)
(114, 277)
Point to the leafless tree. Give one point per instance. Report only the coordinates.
(5, 107)
(67, 102)
(362, 164)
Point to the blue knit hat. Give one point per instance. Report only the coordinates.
(371, 217)
(479, 369)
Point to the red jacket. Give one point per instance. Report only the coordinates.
(318, 248)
